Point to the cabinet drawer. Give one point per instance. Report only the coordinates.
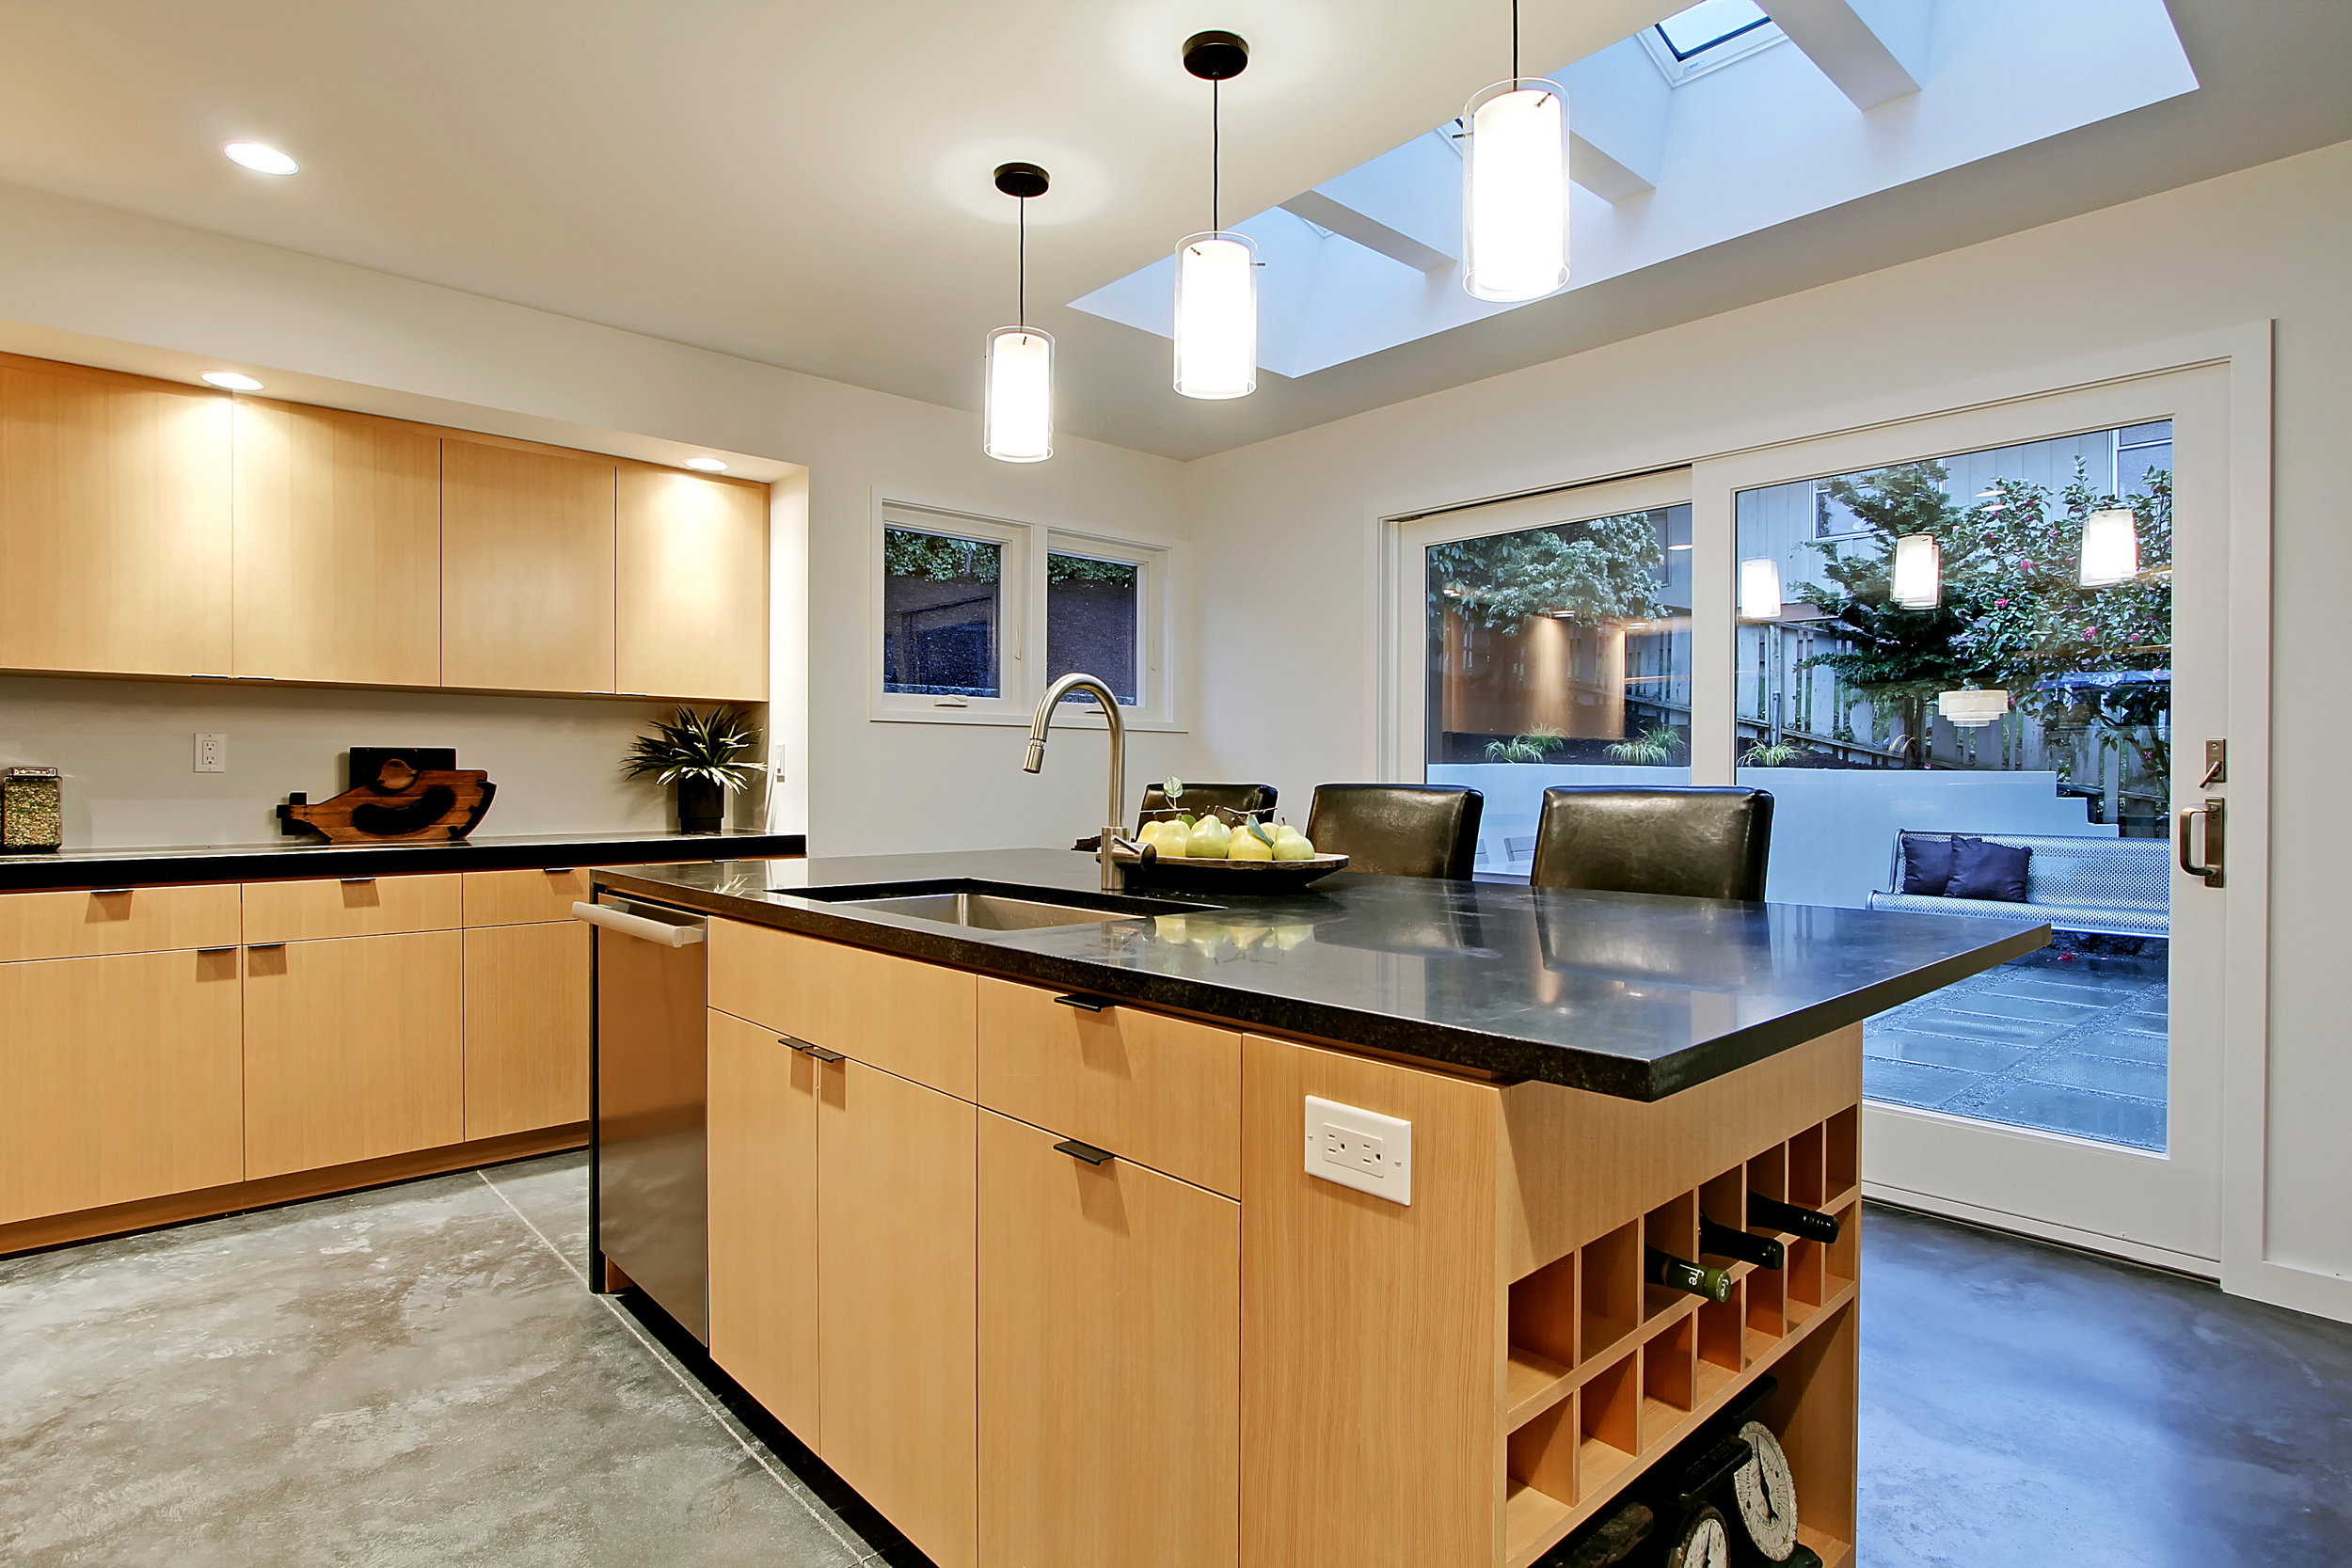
(1163, 1092)
(128, 920)
(524, 897)
(359, 907)
(908, 1017)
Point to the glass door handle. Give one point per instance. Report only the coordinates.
(2214, 814)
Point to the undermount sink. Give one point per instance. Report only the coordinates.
(992, 906)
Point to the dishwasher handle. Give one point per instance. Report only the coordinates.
(657, 931)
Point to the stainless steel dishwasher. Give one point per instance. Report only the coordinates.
(647, 1214)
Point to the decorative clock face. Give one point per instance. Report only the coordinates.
(1766, 1494)
(1705, 1543)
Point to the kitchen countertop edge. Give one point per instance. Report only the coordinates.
(71, 869)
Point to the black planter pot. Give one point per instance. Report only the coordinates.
(702, 806)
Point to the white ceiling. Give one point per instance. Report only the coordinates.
(807, 184)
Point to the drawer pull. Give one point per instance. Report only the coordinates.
(1085, 1004)
(560, 870)
(355, 881)
(262, 946)
(110, 893)
(1088, 1152)
(819, 1052)
(219, 949)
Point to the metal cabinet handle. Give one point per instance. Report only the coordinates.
(354, 882)
(1083, 1002)
(819, 1052)
(1088, 1152)
(2215, 815)
(659, 931)
(262, 946)
(110, 893)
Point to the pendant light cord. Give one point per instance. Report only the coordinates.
(1021, 294)
(1514, 42)
(1216, 152)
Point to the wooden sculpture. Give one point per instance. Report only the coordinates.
(397, 803)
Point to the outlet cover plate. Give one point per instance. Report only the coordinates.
(212, 753)
(1359, 1149)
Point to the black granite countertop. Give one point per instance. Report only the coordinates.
(1619, 994)
(262, 862)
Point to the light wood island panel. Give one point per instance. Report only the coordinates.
(763, 1220)
(915, 1020)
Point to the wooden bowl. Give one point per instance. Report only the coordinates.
(1239, 877)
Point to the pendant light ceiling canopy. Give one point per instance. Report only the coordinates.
(1018, 424)
(1514, 186)
(1216, 271)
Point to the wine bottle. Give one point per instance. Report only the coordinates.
(1811, 1224)
(1676, 1274)
(1721, 1241)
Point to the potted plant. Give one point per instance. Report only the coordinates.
(698, 752)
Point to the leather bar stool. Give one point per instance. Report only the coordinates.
(1398, 830)
(1692, 843)
(1202, 797)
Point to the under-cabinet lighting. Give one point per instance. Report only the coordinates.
(1918, 572)
(2110, 549)
(706, 465)
(232, 381)
(260, 158)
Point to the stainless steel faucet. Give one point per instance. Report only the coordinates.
(1114, 818)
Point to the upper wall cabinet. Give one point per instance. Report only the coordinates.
(338, 546)
(114, 523)
(526, 569)
(691, 609)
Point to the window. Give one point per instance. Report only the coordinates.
(1710, 23)
(976, 615)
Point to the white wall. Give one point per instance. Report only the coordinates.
(1289, 672)
(69, 269)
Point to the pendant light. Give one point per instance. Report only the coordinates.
(1759, 589)
(1971, 709)
(2110, 549)
(1017, 425)
(1514, 186)
(1216, 271)
(1918, 572)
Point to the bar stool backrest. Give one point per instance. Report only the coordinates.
(1691, 843)
(1398, 830)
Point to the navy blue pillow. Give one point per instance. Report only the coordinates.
(1927, 865)
(1995, 871)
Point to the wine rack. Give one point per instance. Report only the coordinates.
(1605, 1373)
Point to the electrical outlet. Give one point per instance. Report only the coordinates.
(1360, 1149)
(212, 753)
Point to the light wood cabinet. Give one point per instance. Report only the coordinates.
(526, 569)
(338, 546)
(352, 1050)
(691, 601)
(122, 1080)
(114, 523)
(905, 1017)
(896, 1276)
(762, 1152)
(524, 897)
(1163, 1091)
(1109, 1361)
(526, 1027)
(78, 924)
(351, 906)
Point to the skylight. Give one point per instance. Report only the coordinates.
(1714, 124)
(1708, 23)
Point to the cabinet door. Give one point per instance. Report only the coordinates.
(1109, 1361)
(121, 1079)
(338, 546)
(691, 607)
(763, 1219)
(526, 569)
(352, 1050)
(526, 1027)
(114, 523)
(894, 1284)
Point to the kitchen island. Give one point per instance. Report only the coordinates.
(1303, 1229)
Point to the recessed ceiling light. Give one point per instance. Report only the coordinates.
(231, 380)
(260, 158)
(708, 464)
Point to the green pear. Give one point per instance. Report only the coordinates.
(1209, 839)
(1296, 847)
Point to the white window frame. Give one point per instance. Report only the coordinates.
(1022, 618)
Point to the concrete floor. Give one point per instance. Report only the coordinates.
(417, 1376)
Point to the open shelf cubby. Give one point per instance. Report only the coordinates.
(1605, 1373)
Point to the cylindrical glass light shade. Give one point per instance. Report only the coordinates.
(1967, 710)
(1019, 426)
(1217, 315)
(2110, 549)
(1918, 572)
(1515, 191)
(1760, 590)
